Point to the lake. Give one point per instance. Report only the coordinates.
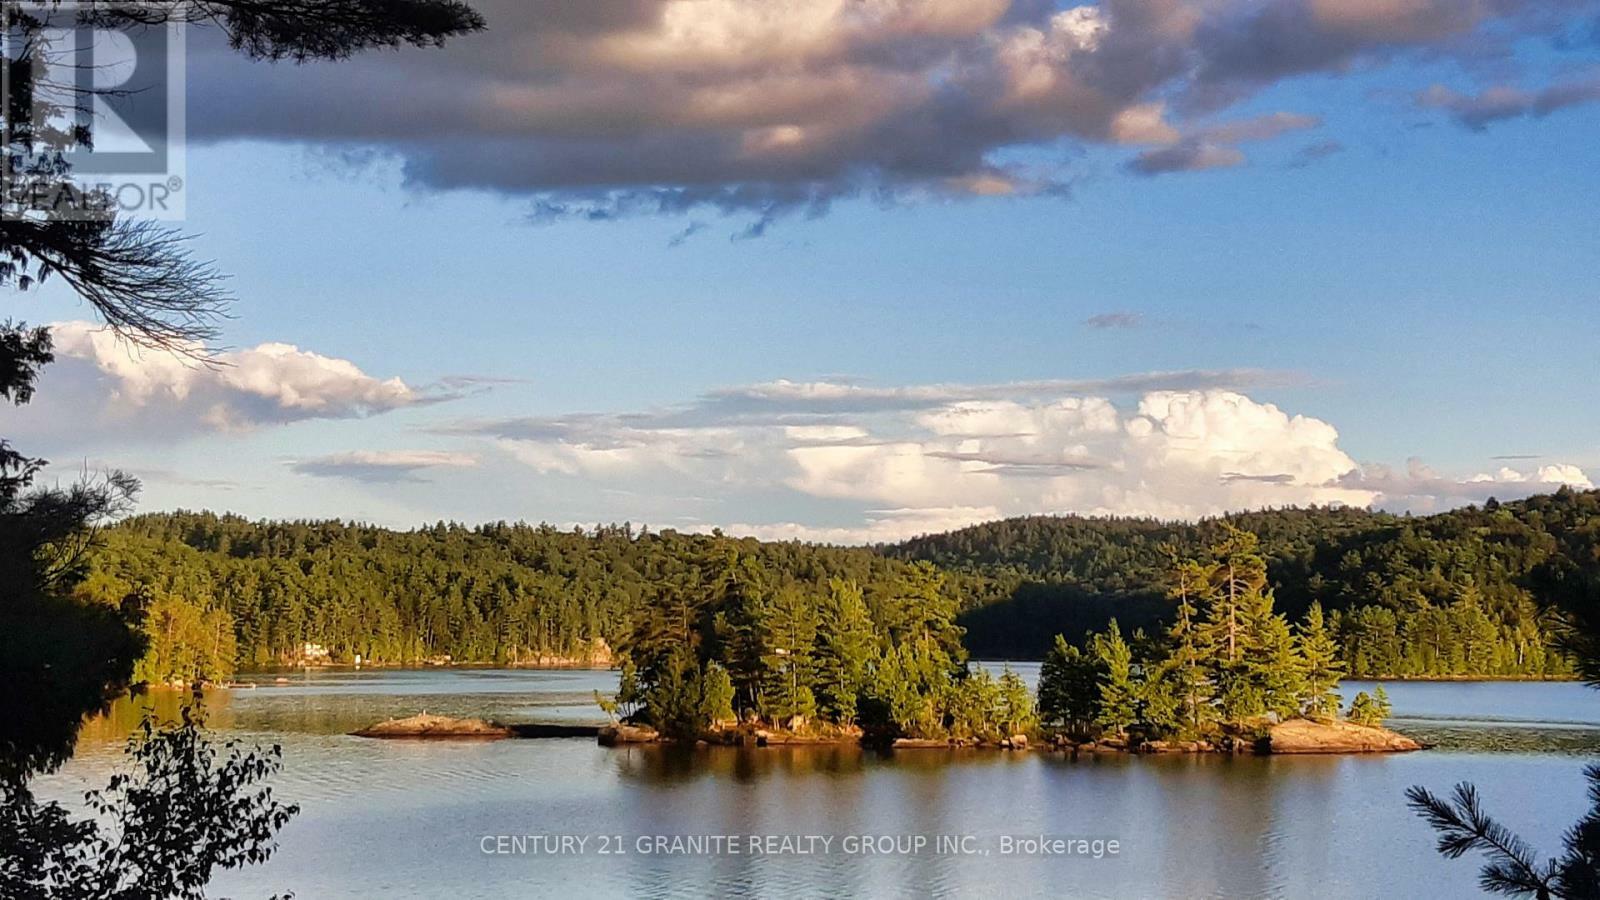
(465, 820)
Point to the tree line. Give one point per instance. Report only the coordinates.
(1462, 594)
(221, 591)
(1404, 593)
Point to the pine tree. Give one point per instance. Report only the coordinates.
(1069, 687)
(716, 694)
(1185, 669)
(789, 633)
(1119, 695)
(1370, 710)
(1239, 573)
(845, 645)
(674, 698)
(973, 706)
(1272, 663)
(1017, 715)
(1319, 697)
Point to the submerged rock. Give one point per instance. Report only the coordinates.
(426, 726)
(1306, 736)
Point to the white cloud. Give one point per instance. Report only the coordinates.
(933, 455)
(869, 463)
(101, 385)
(1421, 489)
(880, 526)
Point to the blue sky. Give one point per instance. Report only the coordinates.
(1426, 293)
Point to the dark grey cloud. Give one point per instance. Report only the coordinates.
(381, 466)
(1118, 319)
(693, 228)
(1018, 465)
(1501, 102)
(1186, 156)
(1279, 478)
(1315, 152)
(1215, 146)
(621, 107)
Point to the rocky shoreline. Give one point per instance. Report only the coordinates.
(424, 725)
(1293, 736)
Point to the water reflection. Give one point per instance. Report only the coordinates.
(405, 818)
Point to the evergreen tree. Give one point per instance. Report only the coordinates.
(1119, 695)
(1069, 687)
(789, 633)
(1239, 576)
(716, 695)
(1323, 668)
(675, 698)
(1186, 669)
(1370, 710)
(1016, 712)
(845, 646)
(1272, 664)
(973, 706)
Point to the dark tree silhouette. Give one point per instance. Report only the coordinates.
(188, 808)
(143, 282)
(1513, 867)
(188, 813)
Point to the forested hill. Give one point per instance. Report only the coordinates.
(1450, 594)
(222, 589)
(1400, 576)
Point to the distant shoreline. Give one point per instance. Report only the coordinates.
(593, 667)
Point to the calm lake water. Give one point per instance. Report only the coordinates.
(413, 819)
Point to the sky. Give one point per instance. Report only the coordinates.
(854, 270)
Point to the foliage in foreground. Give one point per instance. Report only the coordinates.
(187, 809)
(1513, 868)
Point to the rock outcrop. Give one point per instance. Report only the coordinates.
(427, 726)
(1306, 736)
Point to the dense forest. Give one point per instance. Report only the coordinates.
(1454, 594)
(220, 589)
(1445, 595)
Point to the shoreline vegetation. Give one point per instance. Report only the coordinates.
(1450, 596)
(1230, 673)
(1293, 736)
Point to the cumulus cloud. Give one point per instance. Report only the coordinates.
(382, 466)
(864, 463)
(879, 526)
(1501, 102)
(101, 383)
(1421, 489)
(611, 107)
(917, 458)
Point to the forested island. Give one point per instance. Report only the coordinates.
(1451, 595)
